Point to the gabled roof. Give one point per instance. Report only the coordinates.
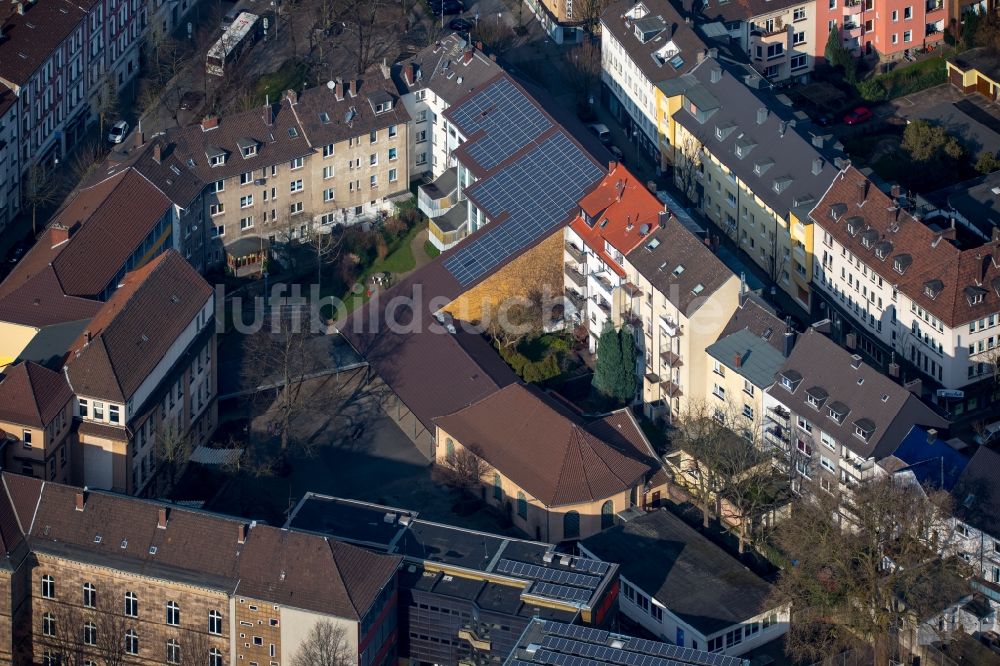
(836, 379)
(445, 69)
(621, 211)
(930, 460)
(32, 395)
(757, 317)
(31, 38)
(40, 302)
(744, 10)
(753, 135)
(312, 572)
(134, 329)
(348, 115)
(553, 457)
(163, 169)
(679, 266)
(923, 263)
(673, 47)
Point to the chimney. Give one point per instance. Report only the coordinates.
(493, 57)
(241, 537)
(817, 141)
(410, 73)
(716, 74)
(157, 153)
(915, 386)
(20, 8)
(339, 88)
(817, 166)
(713, 52)
(467, 57)
(292, 97)
(352, 87)
(87, 337)
(931, 435)
(161, 518)
(59, 234)
(268, 111)
(855, 361)
(140, 138)
(79, 501)
(761, 115)
(479, 46)
(701, 56)
(789, 341)
(738, 360)
(897, 191)
(628, 223)
(782, 126)
(209, 122)
(662, 219)
(612, 165)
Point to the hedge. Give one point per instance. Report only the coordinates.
(526, 369)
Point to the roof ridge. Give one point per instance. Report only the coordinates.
(340, 576)
(10, 499)
(562, 468)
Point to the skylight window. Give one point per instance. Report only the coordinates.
(678, 270)
(324, 117)
(698, 288)
(292, 132)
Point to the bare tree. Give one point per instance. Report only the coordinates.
(495, 35)
(465, 468)
(107, 100)
(583, 64)
(195, 647)
(39, 191)
(62, 633)
(687, 166)
(591, 10)
(372, 35)
(513, 320)
(326, 645)
(172, 451)
(871, 581)
(111, 623)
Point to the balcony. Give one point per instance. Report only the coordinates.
(852, 8)
(578, 255)
(440, 195)
(671, 360)
(670, 327)
(576, 277)
(631, 290)
(579, 301)
(444, 231)
(604, 306)
(934, 6)
(632, 319)
(671, 388)
(603, 283)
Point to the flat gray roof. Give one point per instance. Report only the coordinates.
(759, 361)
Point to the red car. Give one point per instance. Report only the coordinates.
(862, 114)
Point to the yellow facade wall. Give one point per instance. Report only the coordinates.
(13, 339)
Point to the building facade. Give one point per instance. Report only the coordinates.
(889, 28)
(36, 416)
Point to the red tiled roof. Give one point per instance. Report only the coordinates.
(31, 38)
(40, 302)
(932, 258)
(32, 395)
(555, 459)
(135, 328)
(618, 207)
(311, 572)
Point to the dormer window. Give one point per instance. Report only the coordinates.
(882, 249)
(782, 184)
(383, 107)
(838, 411)
(838, 210)
(864, 428)
(249, 151)
(868, 238)
(790, 380)
(901, 262)
(217, 160)
(816, 396)
(932, 288)
(854, 225)
(216, 156)
(975, 295)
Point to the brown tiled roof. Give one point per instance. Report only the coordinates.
(311, 572)
(32, 395)
(760, 320)
(363, 119)
(426, 69)
(744, 10)
(136, 327)
(24, 493)
(12, 541)
(673, 28)
(274, 143)
(40, 302)
(555, 459)
(823, 364)
(29, 39)
(930, 257)
(170, 175)
(671, 246)
(102, 430)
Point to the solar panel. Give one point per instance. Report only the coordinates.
(564, 592)
(592, 566)
(592, 644)
(508, 117)
(537, 192)
(536, 572)
(576, 631)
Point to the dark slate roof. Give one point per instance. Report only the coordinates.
(692, 577)
(757, 317)
(787, 161)
(168, 173)
(349, 115)
(32, 395)
(444, 69)
(977, 494)
(758, 360)
(818, 363)
(552, 457)
(32, 37)
(135, 328)
(982, 59)
(744, 10)
(666, 26)
(659, 256)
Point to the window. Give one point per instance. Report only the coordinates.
(373, 181)
(895, 15)
(895, 38)
(748, 388)
(908, 36)
(607, 515)
(83, 407)
(173, 613)
(131, 642)
(99, 410)
(907, 13)
(218, 230)
(246, 223)
(718, 368)
(26, 438)
(216, 209)
(327, 172)
(214, 622)
(113, 413)
(246, 201)
(421, 136)
(393, 176)
(173, 651)
(392, 131)
(295, 186)
(799, 14)
(328, 194)
(48, 625)
(295, 208)
(328, 150)
(90, 634)
(804, 424)
(827, 464)
(497, 486)
(799, 38)
(89, 595)
(522, 505)
(828, 441)
(798, 62)
(249, 151)
(571, 525)
(214, 657)
(392, 154)
(373, 159)
(748, 411)
(373, 136)
(48, 587)
(131, 605)
(297, 163)
(421, 159)
(246, 178)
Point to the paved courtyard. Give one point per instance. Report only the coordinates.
(972, 118)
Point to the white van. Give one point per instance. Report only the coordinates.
(602, 132)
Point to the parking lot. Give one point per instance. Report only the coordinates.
(973, 119)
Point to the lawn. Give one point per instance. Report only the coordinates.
(905, 80)
(399, 260)
(290, 76)
(430, 250)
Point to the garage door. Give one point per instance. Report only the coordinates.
(983, 87)
(955, 77)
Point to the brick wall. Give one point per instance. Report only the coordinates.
(258, 631)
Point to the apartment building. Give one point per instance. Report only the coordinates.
(645, 45)
(144, 376)
(99, 576)
(614, 219)
(10, 157)
(561, 20)
(829, 417)
(917, 296)
(567, 479)
(684, 589)
(36, 417)
(742, 161)
(890, 28)
(976, 534)
(686, 298)
(335, 154)
(779, 38)
(455, 603)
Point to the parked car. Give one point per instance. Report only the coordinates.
(447, 7)
(461, 25)
(862, 114)
(118, 132)
(18, 251)
(602, 132)
(823, 119)
(191, 99)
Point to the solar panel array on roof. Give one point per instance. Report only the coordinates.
(564, 592)
(591, 566)
(547, 574)
(576, 631)
(538, 192)
(509, 118)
